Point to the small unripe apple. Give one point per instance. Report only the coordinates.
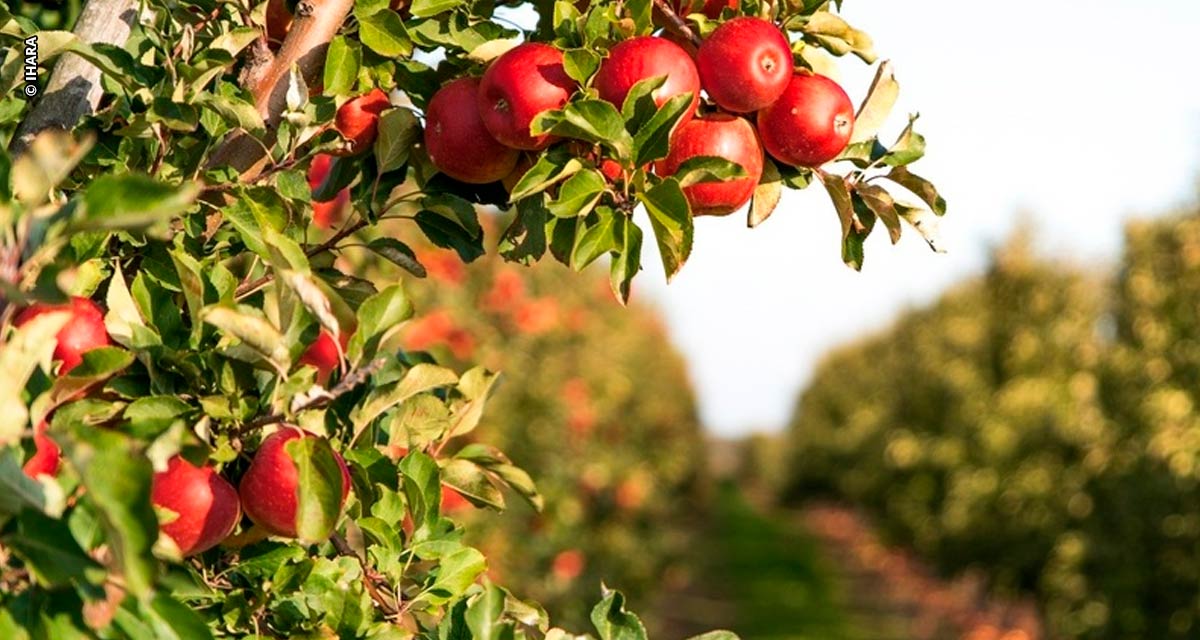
(810, 124)
(83, 332)
(46, 456)
(322, 354)
(358, 119)
(270, 487)
(523, 82)
(458, 143)
(724, 136)
(205, 504)
(637, 59)
(745, 64)
(326, 213)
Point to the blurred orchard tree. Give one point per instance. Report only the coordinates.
(182, 185)
(1030, 425)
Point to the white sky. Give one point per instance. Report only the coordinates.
(1079, 113)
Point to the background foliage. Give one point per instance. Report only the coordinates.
(1035, 423)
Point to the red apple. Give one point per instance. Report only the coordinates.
(724, 136)
(270, 486)
(568, 564)
(83, 332)
(46, 455)
(645, 57)
(457, 140)
(322, 354)
(326, 213)
(810, 124)
(205, 503)
(745, 64)
(279, 21)
(358, 119)
(523, 82)
(453, 501)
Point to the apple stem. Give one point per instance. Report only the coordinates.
(676, 24)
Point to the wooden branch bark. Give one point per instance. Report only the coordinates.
(74, 89)
(316, 23)
(674, 23)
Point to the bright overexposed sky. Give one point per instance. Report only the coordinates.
(1076, 114)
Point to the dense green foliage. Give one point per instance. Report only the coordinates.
(1008, 426)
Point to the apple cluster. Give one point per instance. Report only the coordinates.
(477, 128)
(204, 507)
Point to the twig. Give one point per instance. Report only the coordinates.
(344, 386)
(247, 288)
(374, 580)
(676, 24)
(74, 89)
(316, 23)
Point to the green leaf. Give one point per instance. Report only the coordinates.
(319, 488)
(550, 169)
(449, 234)
(701, 169)
(454, 208)
(475, 385)
(378, 316)
(852, 235)
(485, 613)
(520, 481)
(117, 477)
(653, 139)
(149, 416)
(51, 553)
(595, 121)
(132, 201)
(424, 8)
(383, 32)
(880, 203)
(192, 283)
(253, 331)
(172, 620)
(398, 254)
(613, 622)
(639, 103)
(876, 107)
(716, 635)
(909, 147)
(456, 572)
(422, 486)
(524, 240)
(578, 195)
(671, 220)
(626, 262)
(838, 37)
(925, 222)
(32, 344)
(766, 195)
(419, 379)
(468, 478)
(399, 130)
(581, 64)
(920, 187)
(598, 235)
(342, 61)
(98, 364)
(640, 12)
(18, 491)
(234, 111)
